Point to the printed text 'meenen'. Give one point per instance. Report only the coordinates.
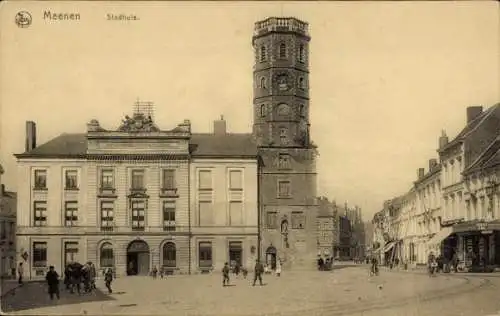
(47, 15)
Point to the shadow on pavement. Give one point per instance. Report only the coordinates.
(35, 295)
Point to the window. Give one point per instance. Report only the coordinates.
(107, 215)
(205, 254)
(40, 213)
(272, 220)
(138, 215)
(71, 213)
(235, 180)
(282, 51)
(283, 135)
(263, 82)
(284, 188)
(3, 230)
(169, 179)
(284, 161)
(302, 53)
(205, 180)
(39, 254)
(107, 179)
(137, 179)
(301, 110)
(169, 255)
(263, 53)
(70, 252)
(302, 84)
(168, 215)
(235, 213)
(205, 213)
(263, 110)
(40, 179)
(12, 231)
(71, 182)
(106, 257)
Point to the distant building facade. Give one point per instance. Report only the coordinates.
(453, 209)
(9, 259)
(327, 228)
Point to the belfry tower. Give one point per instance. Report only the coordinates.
(287, 176)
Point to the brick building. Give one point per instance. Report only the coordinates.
(287, 178)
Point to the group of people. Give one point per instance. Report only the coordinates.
(74, 275)
(259, 270)
(325, 264)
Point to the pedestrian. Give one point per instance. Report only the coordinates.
(76, 277)
(278, 267)
(92, 276)
(108, 278)
(52, 279)
(259, 269)
(225, 274)
(20, 272)
(237, 268)
(244, 271)
(162, 272)
(154, 273)
(67, 277)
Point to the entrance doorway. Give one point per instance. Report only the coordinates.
(138, 258)
(271, 256)
(235, 253)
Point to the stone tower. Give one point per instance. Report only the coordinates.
(287, 176)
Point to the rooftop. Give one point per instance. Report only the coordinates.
(490, 157)
(229, 145)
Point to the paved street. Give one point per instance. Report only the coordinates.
(347, 291)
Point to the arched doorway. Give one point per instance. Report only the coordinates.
(271, 253)
(138, 258)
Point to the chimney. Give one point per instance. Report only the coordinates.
(220, 126)
(443, 139)
(473, 112)
(30, 136)
(420, 173)
(432, 164)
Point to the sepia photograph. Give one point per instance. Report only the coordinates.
(250, 158)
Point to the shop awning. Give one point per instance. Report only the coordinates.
(389, 246)
(440, 236)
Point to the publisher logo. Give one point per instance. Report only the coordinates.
(23, 19)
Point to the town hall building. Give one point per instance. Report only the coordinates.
(137, 196)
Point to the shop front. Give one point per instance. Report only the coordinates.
(478, 244)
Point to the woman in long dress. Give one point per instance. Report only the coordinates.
(278, 267)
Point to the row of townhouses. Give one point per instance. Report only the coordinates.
(138, 196)
(341, 231)
(453, 209)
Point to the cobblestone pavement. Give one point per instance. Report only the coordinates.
(348, 291)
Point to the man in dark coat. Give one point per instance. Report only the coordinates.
(108, 278)
(225, 274)
(259, 269)
(53, 282)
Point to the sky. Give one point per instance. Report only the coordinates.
(386, 77)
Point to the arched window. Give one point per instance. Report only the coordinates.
(301, 110)
(169, 255)
(263, 110)
(283, 109)
(302, 53)
(282, 51)
(263, 53)
(106, 255)
(283, 135)
(301, 83)
(263, 82)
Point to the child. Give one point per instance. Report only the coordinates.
(225, 274)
